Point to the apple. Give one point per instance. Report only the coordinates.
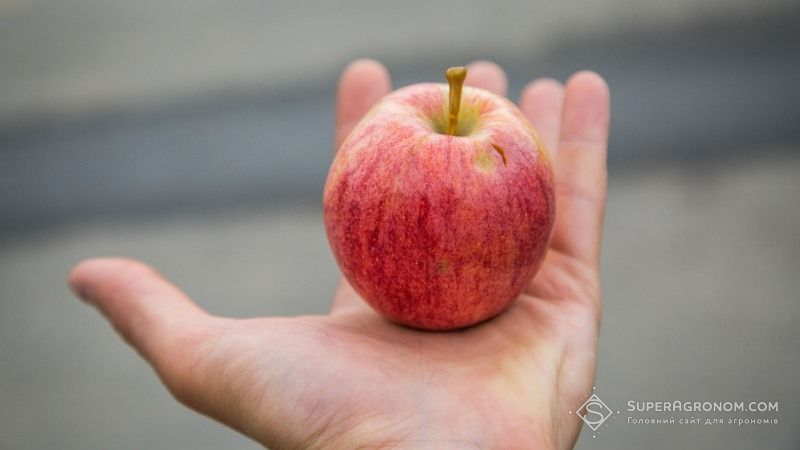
(439, 204)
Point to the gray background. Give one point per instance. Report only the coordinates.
(196, 136)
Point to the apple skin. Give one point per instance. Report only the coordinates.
(434, 231)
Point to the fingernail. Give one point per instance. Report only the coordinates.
(83, 292)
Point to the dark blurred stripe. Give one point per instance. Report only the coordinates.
(699, 94)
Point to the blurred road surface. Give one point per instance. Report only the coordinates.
(701, 304)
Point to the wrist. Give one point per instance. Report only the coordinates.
(480, 435)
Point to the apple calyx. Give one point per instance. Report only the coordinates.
(455, 78)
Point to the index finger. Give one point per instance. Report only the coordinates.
(363, 82)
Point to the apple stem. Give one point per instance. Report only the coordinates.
(455, 78)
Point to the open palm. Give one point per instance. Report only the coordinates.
(351, 379)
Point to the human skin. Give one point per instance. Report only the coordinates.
(350, 379)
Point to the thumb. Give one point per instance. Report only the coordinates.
(151, 314)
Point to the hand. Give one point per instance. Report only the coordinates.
(351, 379)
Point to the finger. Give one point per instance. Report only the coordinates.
(487, 75)
(580, 167)
(541, 102)
(151, 314)
(362, 84)
(346, 299)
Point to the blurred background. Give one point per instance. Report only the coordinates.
(196, 135)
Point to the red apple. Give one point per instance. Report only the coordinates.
(439, 205)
